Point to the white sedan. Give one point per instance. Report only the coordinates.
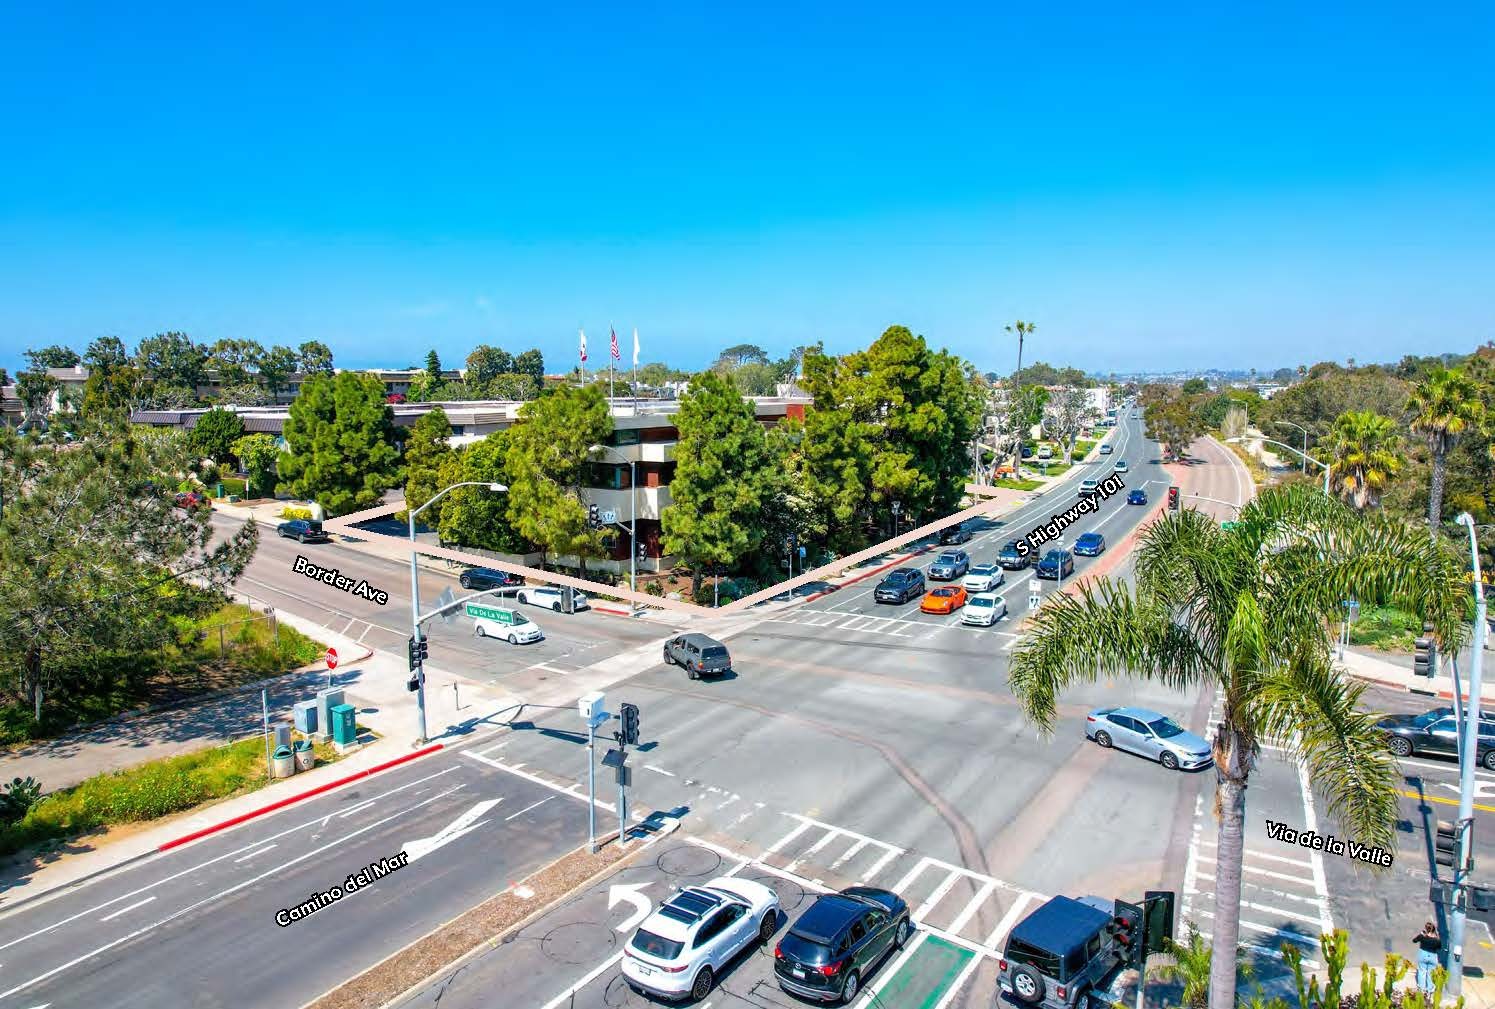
(549, 597)
(983, 609)
(983, 578)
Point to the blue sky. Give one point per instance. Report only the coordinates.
(1234, 188)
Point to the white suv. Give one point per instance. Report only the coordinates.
(550, 597)
(687, 941)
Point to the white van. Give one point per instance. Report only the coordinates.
(502, 622)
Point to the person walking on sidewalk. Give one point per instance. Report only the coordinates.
(1429, 945)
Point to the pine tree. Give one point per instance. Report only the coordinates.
(340, 443)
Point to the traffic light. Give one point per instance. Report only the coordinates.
(416, 652)
(629, 714)
(416, 682)
(1173, 499)
(1446, 844)
(1425, 658)
(1158, 908)
(641, 550)
(594, 516)
(1126, 929)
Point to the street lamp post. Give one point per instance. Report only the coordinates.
(632, 514)
(1467, 756)
(897, 507)
(419, 670)
(1300, 427)
(1305, 455)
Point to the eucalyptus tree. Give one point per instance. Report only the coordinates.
(1246, 613)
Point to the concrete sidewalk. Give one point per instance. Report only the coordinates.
(1397, 673)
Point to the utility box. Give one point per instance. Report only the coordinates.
(305, 713)
(589, 706)
(326, 701)
(344, 725)
(282, 734)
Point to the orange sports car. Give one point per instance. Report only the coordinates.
(945, 599)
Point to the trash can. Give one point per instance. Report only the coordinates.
(344, 724)
(305, 713)
(306, 757)
(283, 764)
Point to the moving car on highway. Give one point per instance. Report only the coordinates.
(1436, 733)
(681, 948)
(945, 599)
(1090, 545)
(1106, 449)
(951, 535)
(488, 578)
(1149, 734)
(983, 578)
(1060, 953)
(983, 609)
(550, 597)
(1056, 564)
(1137, 496)
(698, 655)
(303, 531)
(1121, 466)
(901, 585)
(839, 941)
(1089, 487)
(950, 565)
(1010, 558)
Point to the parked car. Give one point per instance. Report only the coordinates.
(1058, 954)
(1090, 545)
(191, 499)
(1121, 466)
(1011, 559)
(550, 597)
(839, 941)
(1435, 733)
(698, 655)
(983, 609)
(503, 622)
(983, 578)
(682, 947)
(1106, 448)
(489, 578)
(1055, 564)
(1138, 496)
(1088, 487)
(950, 565)
(303, 531)
(945, 599)
(951, 535)
(901, 585)
(1045, 452)
(1150, 734)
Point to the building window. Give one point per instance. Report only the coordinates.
(624, 436)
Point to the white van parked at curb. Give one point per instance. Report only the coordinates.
(503, 622)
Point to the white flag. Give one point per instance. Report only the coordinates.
(635, 346)
(583, 345)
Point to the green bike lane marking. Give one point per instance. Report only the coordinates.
(922, 980)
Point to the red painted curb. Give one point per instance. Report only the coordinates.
(282, 803)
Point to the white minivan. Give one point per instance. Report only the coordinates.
(503, 622)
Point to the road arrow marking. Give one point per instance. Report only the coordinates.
(464, 824)
(631, 893)
(1482, 789)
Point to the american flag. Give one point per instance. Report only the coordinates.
(614, 334)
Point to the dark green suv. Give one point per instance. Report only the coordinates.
(1061, 952)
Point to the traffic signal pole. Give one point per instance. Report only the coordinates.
(419, 670)
(1468, 753)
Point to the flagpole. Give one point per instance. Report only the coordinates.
(612, 355)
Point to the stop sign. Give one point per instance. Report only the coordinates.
(332, 658)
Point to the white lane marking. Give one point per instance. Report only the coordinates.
(203, 865)
(1008, 920)
(1450, 768)
(564, 997)
(659, 770)
(798, 829)
(1276, 894)
(1257, 853)
(361, 806)
(880, 864)
(1306, 940)
(912, 875)
(946, 885)
(1305, 880)
(138, 903)
(1320, 881)
(861, 843)
(536, 779)
(960, 982)
(969, 911)
(224, 893)
(526, 809)
(1311, 920)
(252, 854)
(869, 994)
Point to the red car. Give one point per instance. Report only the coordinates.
(191, 499)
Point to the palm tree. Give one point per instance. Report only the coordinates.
(1022, 329)
(1365, 455)
(1191, 967)
(1246, 612)
(1444, 406)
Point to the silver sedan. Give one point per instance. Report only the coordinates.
(1149, 734)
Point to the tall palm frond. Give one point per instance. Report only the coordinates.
(1364, 446)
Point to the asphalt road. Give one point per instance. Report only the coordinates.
(197, 925)
(572, 641)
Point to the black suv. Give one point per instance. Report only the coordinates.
(1011, 559)
(489, 578)
(303, 531)
(1056, 564)
(901, 585)
(1060, 952)
(952, 535)
(829, 952)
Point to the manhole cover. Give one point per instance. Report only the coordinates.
(689, 860)
(619, 994)
(578, 942)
